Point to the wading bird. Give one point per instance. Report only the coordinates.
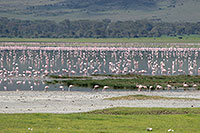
(95, 87)
(105, 87)
(70, 86)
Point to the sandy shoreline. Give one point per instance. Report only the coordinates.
(73, 102)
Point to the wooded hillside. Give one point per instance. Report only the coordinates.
(94, 29)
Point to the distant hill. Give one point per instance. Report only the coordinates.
(58, 10)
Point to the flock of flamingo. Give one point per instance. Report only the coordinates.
(21, 65)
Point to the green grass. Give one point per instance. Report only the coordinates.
(68, 77)
(130, 81)
(116, 120)
(145, 111)
(144, 97)
(164, 39)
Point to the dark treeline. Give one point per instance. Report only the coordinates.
(93, 29)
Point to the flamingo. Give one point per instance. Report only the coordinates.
(62, 88)
(38, 61)
(169, 87)
(5, 88)
(95, 87)
(18, 83)
(185, 86)
(46, 87)
(139, 87)
(150, 87)
(105, 87)
(31, 88)
(70, 86)
(158, 87)
(194, 85)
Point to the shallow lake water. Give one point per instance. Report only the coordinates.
(38, 62)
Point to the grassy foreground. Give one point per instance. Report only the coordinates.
(118, 120)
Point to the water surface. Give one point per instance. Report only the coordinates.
(39, 62)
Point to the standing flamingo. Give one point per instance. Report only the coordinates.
(95, 87)
(62, 88)
(70, 86)
(46, 88)
(105, 87)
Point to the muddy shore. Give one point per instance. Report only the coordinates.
(73, 102)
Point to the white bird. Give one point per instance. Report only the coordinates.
(62, 88)
(149, 129)
(95, 87)
(105, 87)
(150, 87)
(70, 86)
(139, 87)
(194, 85)
(19, 82)
(46, 87)
(158, 87)
(170, 130)
(169, 86)
(31, 87)
(185, 86)
(5, 88)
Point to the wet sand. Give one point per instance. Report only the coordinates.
(73, 102)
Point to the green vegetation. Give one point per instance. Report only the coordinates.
(144, 97)
(130, 81)
(162, 40)
(146, 111)
(68, 77)
(59, 10)
(109, 120)
(96, 29)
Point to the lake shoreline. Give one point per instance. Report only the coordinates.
(76, 102)
(102, 44)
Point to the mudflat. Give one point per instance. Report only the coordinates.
(74, 102)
